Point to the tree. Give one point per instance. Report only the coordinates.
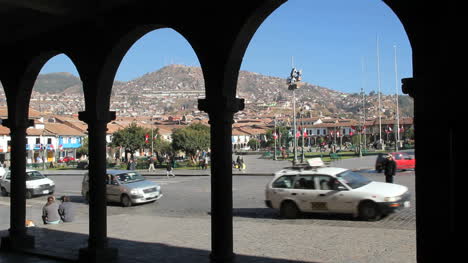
(130, 138)
(84, 147)
(191, 140)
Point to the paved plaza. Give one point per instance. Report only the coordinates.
(158, 233)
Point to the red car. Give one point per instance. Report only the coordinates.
(66, 159)
(403, 161)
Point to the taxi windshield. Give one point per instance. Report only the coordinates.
(129, 177)
(352, 179)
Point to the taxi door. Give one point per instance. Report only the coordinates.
(306, 193)
(281, 189)
(327, 197)
(112, 189)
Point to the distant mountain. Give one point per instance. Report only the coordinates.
(58, 83)
(257, 90)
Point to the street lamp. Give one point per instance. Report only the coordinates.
(294, 77)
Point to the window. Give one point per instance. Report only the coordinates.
(284, 182)
(323, 182)
(305, 182)
(49, 140)
(38, 140)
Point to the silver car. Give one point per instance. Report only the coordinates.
(126, 187)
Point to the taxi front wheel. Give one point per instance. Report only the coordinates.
(289, 210)
(369, 211)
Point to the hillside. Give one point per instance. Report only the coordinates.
(175, 89)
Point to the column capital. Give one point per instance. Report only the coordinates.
(90, 117)
(408, 86)
(13, 124)
(219, 105)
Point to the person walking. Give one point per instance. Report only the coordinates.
(66, 210)
(389, 168)
(132, 164)
(169, 169)
(50, 214)
(151, 164)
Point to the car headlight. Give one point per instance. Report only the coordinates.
(392, 199)
(134, 192)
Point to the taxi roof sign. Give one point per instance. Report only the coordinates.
(315, 162)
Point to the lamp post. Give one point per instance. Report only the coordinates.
(294, 77)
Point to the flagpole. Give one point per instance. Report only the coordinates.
(378, 82)
(275, 136)
(397, 139)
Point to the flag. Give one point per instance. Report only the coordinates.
(146, 138)
(275, 136)
(305, 132)
(298, 134)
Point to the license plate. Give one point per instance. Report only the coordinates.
(45, 191)
(407, 204)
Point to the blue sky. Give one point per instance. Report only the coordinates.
(330, 40)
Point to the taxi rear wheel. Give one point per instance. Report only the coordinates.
(369, 211)
(289, 210)
(4, 191)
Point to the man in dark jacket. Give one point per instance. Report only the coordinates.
(389, 168)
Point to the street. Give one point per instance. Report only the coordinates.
(189, 196)
(180, 221)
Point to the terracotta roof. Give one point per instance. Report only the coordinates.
(62, 129)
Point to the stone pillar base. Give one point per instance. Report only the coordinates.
(17, 242)
(98, 255)
(223, 259)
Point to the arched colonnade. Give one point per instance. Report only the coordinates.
(97, 36)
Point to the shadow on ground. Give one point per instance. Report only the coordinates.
(60, 246)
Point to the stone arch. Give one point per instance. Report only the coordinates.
(19, 81)
(120, 47)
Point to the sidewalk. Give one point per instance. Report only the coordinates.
(255, 165)
(173, 239)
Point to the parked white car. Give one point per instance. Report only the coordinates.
(36, 184)
(333, 190)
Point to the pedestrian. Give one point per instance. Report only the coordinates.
(169, 170)
(240, 163)
(50, 214)
(389, 168)
(132, 164)
(151, 164)
(66, 210)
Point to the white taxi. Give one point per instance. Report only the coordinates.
(320, 189)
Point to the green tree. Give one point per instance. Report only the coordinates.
(84, 147)
(131, 138)
(191, 140)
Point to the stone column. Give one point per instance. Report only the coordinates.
(221, 112)
(97, 250)
(18, 238)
